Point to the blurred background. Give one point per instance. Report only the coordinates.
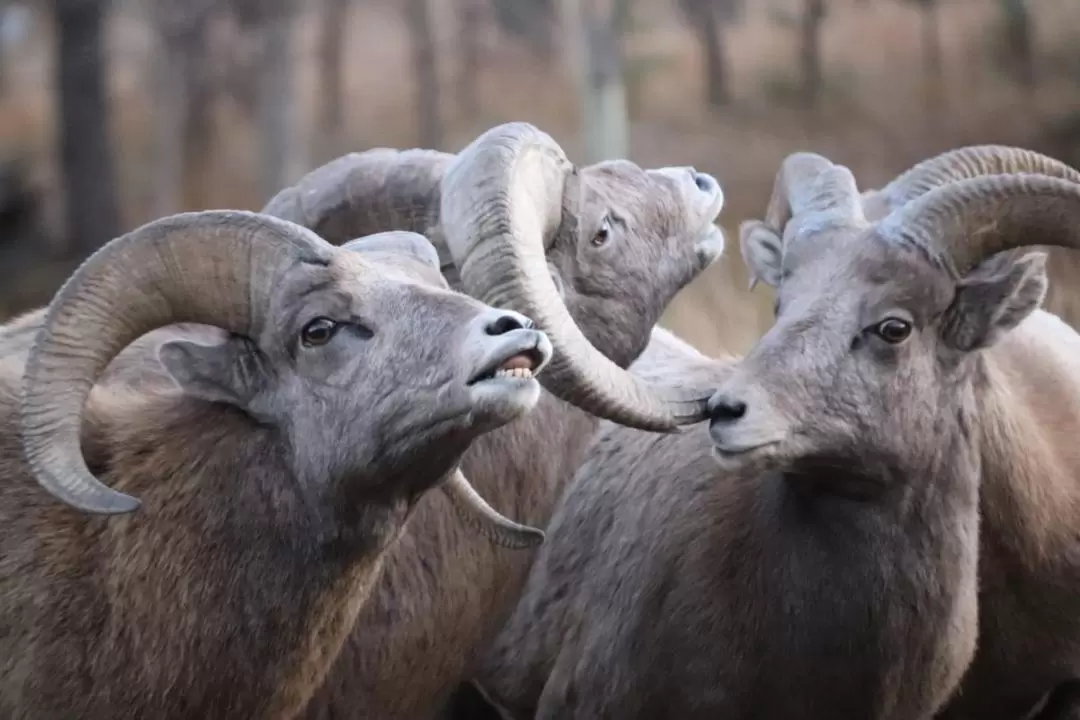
(114, 112)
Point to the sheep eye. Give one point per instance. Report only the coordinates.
(318, 332)
(893, 330)
(602, 234)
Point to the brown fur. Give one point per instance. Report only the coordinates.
(231, 590)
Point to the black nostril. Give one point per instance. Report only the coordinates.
(726, 409)
(704, 182)
(507, 322)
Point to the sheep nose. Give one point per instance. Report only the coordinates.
(705, 182)
(725, 409)
(500, 322)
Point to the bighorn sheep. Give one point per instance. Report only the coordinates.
(1029, 640)
(619, 242)
(826, 565)
(272, 477)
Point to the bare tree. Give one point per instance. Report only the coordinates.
(426, 85)
(471, 13)
(810, 51)
(86, 161)
(181, 106)
(932, 54)
(607, 127)
(1018, 32)
(280, 145)
(707, 19)
(933, 64)
(335, 19)
(530, 20)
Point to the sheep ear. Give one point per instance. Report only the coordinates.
(993, 300)
(762, 250)
(228, 373)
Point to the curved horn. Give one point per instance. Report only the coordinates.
(504, 197)
(213, 268)
(368, 192)
(970, 220)
(484, 519)
(961, 164)
(811, 186)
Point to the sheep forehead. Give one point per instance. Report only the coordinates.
(646, 199)
(859, 269)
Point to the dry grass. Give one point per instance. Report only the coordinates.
(875, 117)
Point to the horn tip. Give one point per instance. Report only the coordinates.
(116, 504)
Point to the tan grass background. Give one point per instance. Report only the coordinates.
(874, 118)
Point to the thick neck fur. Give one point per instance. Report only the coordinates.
(1029, 419)
(818, 594)
(446, 588)
(220, 597)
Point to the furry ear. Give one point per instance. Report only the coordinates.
(989, 304)
(227, 373)
(762, 250)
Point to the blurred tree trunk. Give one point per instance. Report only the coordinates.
(707, 18)
(182, 103)
(1019, 34)
(810, 51)
(472, 15)
(86, 161)
(567, 25)
(933, 64)
(607, 126)
(279, 134)
(335, 20)
(426, 73)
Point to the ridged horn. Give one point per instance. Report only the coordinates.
(970, 220)
(504, 197)
(368, 192)
(214, 268)
(810, 186)
(961, 164)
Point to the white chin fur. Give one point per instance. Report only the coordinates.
(711, 246)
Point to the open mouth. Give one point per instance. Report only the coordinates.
(522, 365)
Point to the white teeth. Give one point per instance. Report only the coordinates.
(519, 373)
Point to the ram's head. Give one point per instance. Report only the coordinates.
(593, 254)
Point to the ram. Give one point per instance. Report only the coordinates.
(271, 477)
(619, 242)
(1029, 592)
(816, 554)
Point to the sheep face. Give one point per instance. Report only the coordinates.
(358, 360)
(372, 368)
(641, 236)
(873, 358)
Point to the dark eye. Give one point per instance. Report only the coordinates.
(893, 330)
(602, 234)
(318, 332)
